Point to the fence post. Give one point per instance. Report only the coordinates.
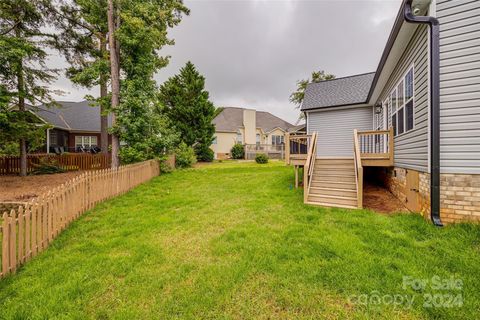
(5, 245)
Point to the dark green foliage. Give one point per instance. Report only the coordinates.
(46, 166)
(204, 153)
(186, 103)
(261, 158)
(24, 75)
(237, 151)
(17, 125)
(184, 156)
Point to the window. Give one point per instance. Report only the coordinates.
(214, 140)
(402, 104)
(257, 137)
(239, 137)
(393, 99)
(409, 112)
(276, 140)
(85, 141)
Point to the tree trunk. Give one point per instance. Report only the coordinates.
(115, 77)
(103, 94)
(21, 108)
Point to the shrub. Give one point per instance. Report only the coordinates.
(237, 151)
(204, 153)
(46, 166)
(261, 158)
(184, 156)
(165, 165)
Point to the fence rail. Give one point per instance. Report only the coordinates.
(28, 230)
(273, 151)
(76, 161)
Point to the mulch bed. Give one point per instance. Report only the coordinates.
(381, 200)
(15, 188)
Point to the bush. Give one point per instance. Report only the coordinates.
(261, 158)
(46, 166)
(165, 165)
(204, 153)
(237, 151)
(184, 156)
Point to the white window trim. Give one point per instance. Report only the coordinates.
(395, 112)
(86, 141)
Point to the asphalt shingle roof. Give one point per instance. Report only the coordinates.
(74, 116)
(230, 119)
(338, 92)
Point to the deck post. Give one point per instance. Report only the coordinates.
(296, 177)
(287, 148)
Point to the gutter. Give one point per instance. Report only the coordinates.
(434, 108)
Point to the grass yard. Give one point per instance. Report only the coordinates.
(234, 241)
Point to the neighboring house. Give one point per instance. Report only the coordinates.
(425, 94)
(76, 126)
(248, 127)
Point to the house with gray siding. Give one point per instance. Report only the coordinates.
(414, 122)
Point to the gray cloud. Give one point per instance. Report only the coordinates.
(253, 52)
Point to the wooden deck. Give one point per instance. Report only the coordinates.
(338, 182)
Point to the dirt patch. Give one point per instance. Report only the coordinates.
(381, 200)
(15, 188)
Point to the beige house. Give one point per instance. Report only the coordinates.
(259, 129)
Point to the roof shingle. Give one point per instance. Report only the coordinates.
(338, 92)
(230, 119)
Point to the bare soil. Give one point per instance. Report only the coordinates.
(15, 188)
(381, 200)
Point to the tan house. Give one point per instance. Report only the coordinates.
(259, 131)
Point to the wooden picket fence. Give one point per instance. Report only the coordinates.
(70, 161)
(28, 230)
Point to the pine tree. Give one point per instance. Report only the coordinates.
(186, 103)
(83, 29)
(23, 73)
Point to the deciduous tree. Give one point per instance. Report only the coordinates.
(317, 76)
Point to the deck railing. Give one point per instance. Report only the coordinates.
(297, 146)
(358, 168)
(376, 143)
(309, 166)
(273, 151)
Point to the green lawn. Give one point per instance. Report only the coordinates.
(234, 241)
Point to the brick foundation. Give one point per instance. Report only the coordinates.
(459, 194)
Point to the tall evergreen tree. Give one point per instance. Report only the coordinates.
(83, 26)
(186, 103)
(23, 73)
(141, 32)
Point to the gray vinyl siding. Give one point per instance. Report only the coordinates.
(411, 148)
(459, 85)
(335, 129)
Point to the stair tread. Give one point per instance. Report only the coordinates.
(333, 189)
(327, 204)
(333, 197)
(352, 183)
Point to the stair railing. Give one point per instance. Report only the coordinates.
(358, 169)
(309, 166)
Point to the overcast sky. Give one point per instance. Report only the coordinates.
(252, 52)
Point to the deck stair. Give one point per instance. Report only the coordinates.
(333, 183)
